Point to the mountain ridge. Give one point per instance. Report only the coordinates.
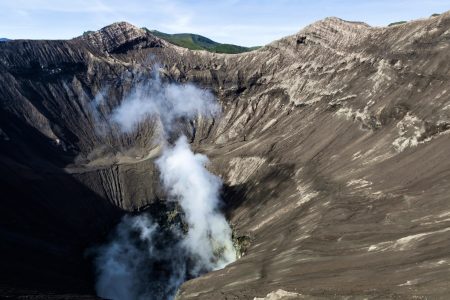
(199, 42)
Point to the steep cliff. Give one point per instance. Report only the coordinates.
(332, 144)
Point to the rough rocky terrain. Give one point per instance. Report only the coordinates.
(333, 146)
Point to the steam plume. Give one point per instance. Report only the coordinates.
(129, 266)
(167, 102)
(187, 180)
(145, 259)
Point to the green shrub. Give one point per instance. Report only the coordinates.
(397, 23)
(198, 42)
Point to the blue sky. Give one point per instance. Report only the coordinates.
(242, 22)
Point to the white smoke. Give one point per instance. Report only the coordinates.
(165, 101)
(128, 264)
(144, 260)
(100, 123)
(118, 261)
(185, 177)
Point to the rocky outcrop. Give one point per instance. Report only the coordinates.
(332, 144)
(122, 37)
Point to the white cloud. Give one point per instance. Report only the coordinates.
(58, 6)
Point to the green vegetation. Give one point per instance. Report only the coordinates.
(198, 42)
(403, 22)
(397, 23)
